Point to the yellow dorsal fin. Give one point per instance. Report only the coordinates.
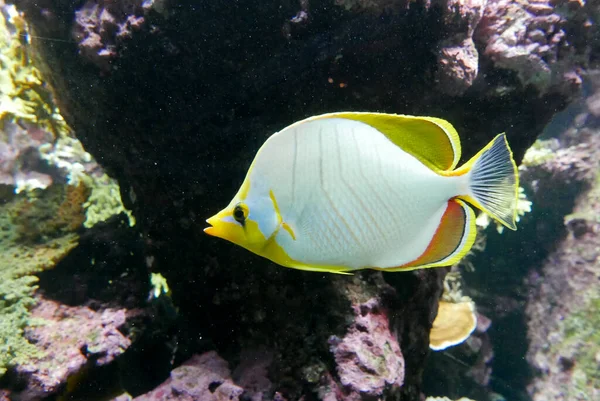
(432, 140)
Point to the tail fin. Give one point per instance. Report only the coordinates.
(494, 182)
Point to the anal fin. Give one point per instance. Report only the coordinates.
(452, 240)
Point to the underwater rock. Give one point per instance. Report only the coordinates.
(21, 164)
(563, 310)
(544, 45)
(100, 27)
(252, 374)
(563, 302)
(458, 58)
(446, 399)
(70, 339)
(203, 377)
(457, 67)
(368, 357)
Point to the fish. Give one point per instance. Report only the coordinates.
(345, 191)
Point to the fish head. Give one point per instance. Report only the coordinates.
(249, 223)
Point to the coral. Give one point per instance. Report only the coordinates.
(104, 201)
(541, 151)
(571, 164)
(67, 155)
(453, 324)
(17, 297)
(456, 318)
(37, 148)
(46, 184)
(22, 92)
(190, 96)
(159, 285)
(452, 287)
(20, 260)
(79, 169)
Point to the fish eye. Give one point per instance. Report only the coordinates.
(240, 212)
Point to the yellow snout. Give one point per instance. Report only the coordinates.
(214, 226)
(222, 226)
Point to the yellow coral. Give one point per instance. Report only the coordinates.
(22, 92)
(456, 318)
(453, 324)
(104, 202)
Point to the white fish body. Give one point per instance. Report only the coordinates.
(351, 197)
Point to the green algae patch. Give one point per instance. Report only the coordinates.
(581, 349)
(19, 261)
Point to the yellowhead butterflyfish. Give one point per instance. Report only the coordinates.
(345, 191)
